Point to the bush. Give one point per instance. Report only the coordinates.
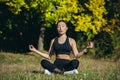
(103, 45)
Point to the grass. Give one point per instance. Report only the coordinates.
(27, 67)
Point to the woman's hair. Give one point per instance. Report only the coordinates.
(62, 21)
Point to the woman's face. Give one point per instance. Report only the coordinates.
(62, 28)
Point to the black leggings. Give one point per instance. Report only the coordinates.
(62, 64)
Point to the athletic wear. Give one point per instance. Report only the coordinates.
(75, 71)
(62, 64)
(64, 48)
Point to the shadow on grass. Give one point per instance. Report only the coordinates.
(37, 72)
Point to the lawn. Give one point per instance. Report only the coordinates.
(27, 67)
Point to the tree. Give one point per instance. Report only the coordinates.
(113, 27)
(51, 11)
(92, 19)
(86, 16)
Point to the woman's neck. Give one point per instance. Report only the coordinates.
(63, 36)
(62, 39)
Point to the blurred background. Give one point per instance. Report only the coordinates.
(24, 22)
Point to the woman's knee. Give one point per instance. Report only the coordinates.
(75, 63)
(47, 65)
(44, 62)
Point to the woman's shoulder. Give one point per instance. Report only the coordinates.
(71, 40)
(53, 39)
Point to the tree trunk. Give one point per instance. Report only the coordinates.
(41, 39)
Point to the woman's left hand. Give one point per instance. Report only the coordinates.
(90, 45)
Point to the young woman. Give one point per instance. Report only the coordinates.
(62, 47)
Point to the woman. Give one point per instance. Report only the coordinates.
(62, 47)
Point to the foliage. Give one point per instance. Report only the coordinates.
(17, 31)
(63, 10)
(113, 16)
(81, 40)
(89, 19)
(113, 26)
(88, 16)
(103, 45)
(15, 5)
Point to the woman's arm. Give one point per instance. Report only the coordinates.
(48, 56)
(75, 50)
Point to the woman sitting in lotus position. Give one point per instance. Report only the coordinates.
(62, 47)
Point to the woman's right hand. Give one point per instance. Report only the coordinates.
(32, 48)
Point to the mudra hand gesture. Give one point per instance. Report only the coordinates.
(90, 45)
(32, 48)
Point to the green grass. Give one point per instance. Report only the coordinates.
(27, 67)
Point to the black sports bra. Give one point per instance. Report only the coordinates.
(64, 48)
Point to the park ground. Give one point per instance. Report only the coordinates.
(16, 66)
